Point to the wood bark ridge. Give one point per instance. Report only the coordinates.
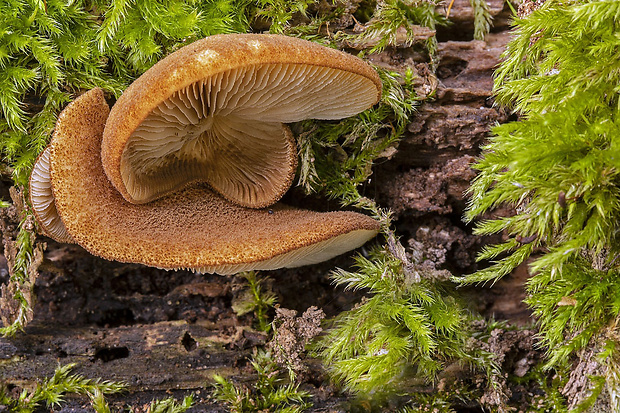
(160, 356)
(162, 332)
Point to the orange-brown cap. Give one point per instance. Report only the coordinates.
(192, 228)
(42, 200)
(214, 110)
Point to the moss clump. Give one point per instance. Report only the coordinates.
(558, 168)
(270, 392)
(255, 298)
(53, 390)
(406, 325)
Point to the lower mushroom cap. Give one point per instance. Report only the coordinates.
(194, 228)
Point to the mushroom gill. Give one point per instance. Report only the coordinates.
(192, 228)
(42, 200)
(213, 111)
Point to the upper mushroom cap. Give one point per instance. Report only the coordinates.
(192, 228)
(42, 200)
(213, 111)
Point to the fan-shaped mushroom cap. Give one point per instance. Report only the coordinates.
(192, 228)
(213, 111)
(42, 200)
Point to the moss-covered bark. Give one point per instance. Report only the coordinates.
(414, 332)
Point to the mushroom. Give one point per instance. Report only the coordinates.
(42, 200)
(213, 111)
(192, 228)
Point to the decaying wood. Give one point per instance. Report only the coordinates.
(160, 331)
(159, 356)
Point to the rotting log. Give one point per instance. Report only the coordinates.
(162, 332)
(160, 356)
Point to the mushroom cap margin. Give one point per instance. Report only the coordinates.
(42, 200)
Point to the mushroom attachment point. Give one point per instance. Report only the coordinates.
(42, 200)
(215, 111)
(193, 228)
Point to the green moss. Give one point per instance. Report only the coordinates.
(407, 324)
(52, 391)
(482, 18)
(255, 298)
(270, 392)
(558, 168)
(337, 157)
(21, 281)
(170, 405)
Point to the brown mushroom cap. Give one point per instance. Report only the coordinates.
(42, 200)
(193, 228)
(213, 112)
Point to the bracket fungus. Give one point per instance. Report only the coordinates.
(214, 111)
(192, 228)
